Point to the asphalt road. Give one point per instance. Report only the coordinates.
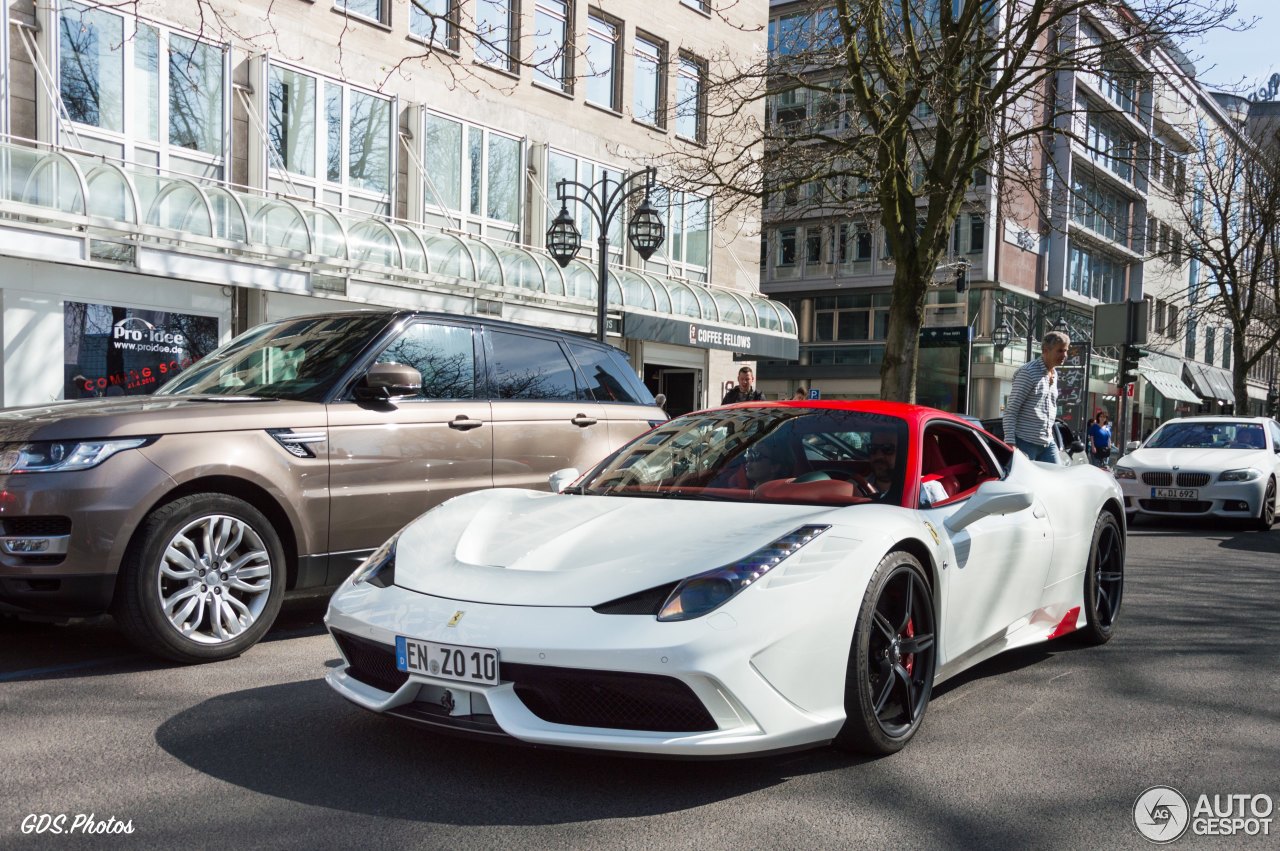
(1042, 748)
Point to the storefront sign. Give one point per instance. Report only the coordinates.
(120, 351)
(746, 341)
(943, 337)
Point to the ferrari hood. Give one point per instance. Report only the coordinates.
(1202, 460)
(520, 547)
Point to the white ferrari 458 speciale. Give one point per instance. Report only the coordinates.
(754, 578)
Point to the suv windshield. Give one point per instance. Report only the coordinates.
(298, 359)
(808, 456)
(1211, 435)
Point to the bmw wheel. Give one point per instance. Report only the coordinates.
(892, 660)
(203, 580)
(1103, 580)
(1267, 511)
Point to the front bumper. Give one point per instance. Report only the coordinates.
(63, 535)
(1227, 500)
(722, 665)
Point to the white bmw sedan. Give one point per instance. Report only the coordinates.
(1205, 467)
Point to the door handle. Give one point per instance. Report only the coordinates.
(582, 421)
(462, 423)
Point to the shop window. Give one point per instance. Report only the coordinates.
(562, 166)
(686, 252)
(472, 178)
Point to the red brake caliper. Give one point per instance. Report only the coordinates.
(909, 660)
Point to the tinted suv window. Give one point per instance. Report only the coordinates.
(606, 380)
(444, 354)
(530, 368)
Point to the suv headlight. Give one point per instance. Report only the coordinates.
(1125, 473)
(708, 591)
(62, 455)
(1248, 475)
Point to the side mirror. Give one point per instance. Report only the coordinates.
(387, 381)
(561, 479)
(1076, 446)
(991, 498)
(1131, 446)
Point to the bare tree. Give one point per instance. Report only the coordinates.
(1231, 217)
(896, 104)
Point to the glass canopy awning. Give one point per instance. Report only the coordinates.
(57, 187)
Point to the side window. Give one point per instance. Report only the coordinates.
(1275, 436)
(529, 368)
(603, 373)
(952, 463)
(444, 354)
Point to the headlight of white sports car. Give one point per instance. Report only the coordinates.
(1125, 473)
(1246, 475)
(61, 456)
(380, 568)
(706, 592)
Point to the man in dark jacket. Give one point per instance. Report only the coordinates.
(743, 392)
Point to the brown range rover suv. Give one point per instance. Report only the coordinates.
(281, 460)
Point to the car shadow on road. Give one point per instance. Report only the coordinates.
(301, 742)
(1236, 535)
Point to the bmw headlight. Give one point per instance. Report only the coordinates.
(379, 569)
(1125, 472)
(1247, 475)
(706, 592)
(62, 455)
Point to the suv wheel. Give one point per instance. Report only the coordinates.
(203, 579)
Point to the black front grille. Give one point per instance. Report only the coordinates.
(1176, 506)
(369, 662)
(36, 527)
(1193, 480)
(1157, 479)
(609, 699)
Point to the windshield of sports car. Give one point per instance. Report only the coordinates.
(1208, 435)
(298, 360)
(806, 456)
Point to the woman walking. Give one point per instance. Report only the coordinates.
(1100, 441)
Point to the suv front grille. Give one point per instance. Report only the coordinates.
(35, 527)
(371, 663)
(609, 699)
(1193, 480)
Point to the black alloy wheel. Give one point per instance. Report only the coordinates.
(1103, 580)
(892, 659)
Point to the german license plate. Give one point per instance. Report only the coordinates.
(447, 661)
(1175, 493)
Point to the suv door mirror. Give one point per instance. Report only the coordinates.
(992, 497)
(387, 381)
(561, 479)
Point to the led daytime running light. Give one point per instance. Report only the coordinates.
(706, 592)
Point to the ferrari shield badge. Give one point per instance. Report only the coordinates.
(927, 525)
(457, 616)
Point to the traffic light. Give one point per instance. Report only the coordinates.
(1129, 357)
(962, 279)
(1273, 405)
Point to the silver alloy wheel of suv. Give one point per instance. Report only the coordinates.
(167, 607)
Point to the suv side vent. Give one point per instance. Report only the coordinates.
(297, 443)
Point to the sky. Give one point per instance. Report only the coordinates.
(1224, 59)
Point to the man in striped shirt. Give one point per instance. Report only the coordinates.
(1033, 403)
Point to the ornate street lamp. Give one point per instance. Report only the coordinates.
(1003, 335)
(604, 200)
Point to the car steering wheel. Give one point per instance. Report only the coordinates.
(858, 482)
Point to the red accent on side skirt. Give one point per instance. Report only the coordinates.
(1067, 624)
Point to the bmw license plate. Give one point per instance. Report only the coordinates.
(447, 661)
(1175, 493)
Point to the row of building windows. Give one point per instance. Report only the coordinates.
(1103, 211)
(1164, 240)
(1210, 344)
(849, 243)
(325, 140)
(1094, 275)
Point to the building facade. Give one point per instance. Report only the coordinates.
(1098, 230)
(168, 167)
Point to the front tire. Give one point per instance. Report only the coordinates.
(1103, 580)
(203, 580)
(892, 659)
(1267, 511)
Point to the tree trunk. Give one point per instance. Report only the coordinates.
(902, 348)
